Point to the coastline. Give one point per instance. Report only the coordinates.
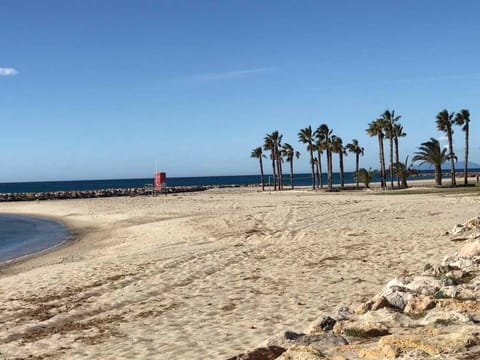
(235, 265)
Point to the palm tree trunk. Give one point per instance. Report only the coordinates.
(274, 173)
(397, 157)
(465, 172)
(391, 162)
(342, 184)
(382, 161)
(318, 171)
(313, 169)
(452, 158)
(357, 164)
(279, 168)
(261, 174)
(438, 174)
(329, 175)
(291, 172)
(320, 180)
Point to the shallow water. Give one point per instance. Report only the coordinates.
(23, 235)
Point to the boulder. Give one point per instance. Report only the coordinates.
(322, 341)
(444, 318)
(302, 352)
(418, 305)
(262, 353)
(470, 250)
(435, 341)
(426, 285)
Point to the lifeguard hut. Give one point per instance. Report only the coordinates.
(160, 183)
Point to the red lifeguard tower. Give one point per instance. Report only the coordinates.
(160, 182)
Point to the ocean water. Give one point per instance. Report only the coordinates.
(24, 235)
(51, 186)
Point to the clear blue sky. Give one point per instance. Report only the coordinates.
(102, 89)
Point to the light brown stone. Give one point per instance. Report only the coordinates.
(418, 305)
(449, 340)
(470, 249)
(380, 303)
(301, 352)
(379, 352)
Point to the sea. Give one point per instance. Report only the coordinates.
(236, 180)
(25, 235)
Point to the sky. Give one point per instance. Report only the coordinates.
(104, 89)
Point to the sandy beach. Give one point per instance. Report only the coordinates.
(211, 274)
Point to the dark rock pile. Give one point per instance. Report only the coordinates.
(84, 194)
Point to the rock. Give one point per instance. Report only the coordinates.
(472, 223)
(380, 303)
(462, 263)
(470, 306)
(343, 313)
(327, 323)
(435, 341)
(396, 293)
(425, 285)
(322, 341)
(447, 292)
(398, 299)
(418, 305)
(444, 318)
(302, 352)
(360, 329)
(364, 307)
(470, 249)
(458, 229)
(379, 352)
(262, 353)
(386, 318)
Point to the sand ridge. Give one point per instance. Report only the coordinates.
(205, 275)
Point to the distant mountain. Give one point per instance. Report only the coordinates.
(459, 165)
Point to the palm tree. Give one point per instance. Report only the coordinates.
(257, 153)
(397, 133)
(403, 171)
(305, 136)
(430, 152)
(289, 152)
(268, 145)
(365, 176)
(337, 147)
(324, 137)
(463, 118)
(355, 148)
(390, 120)
(444, 123)
(274, 141)
(375, 128)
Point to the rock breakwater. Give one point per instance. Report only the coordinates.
(84, 194)
(432, 315)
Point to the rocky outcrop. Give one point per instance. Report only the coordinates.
(435, 314)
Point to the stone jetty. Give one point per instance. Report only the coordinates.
(432, 315)
(84, 194)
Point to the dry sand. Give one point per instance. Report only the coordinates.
(212, 274)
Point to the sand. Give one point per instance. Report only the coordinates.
(211, 274)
